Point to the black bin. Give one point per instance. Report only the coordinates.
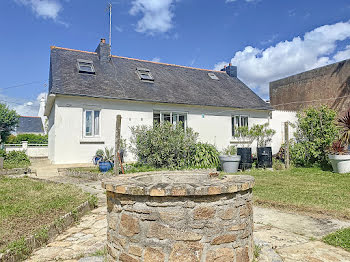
(264, 157)
(246, 158)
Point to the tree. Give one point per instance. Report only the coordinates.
(8, 121)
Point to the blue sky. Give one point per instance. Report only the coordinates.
(266, 39)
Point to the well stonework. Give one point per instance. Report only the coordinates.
(179, 217)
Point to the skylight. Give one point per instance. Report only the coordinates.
(144, 74)
(86, 66)
(213, 76)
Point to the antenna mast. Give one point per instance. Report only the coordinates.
(110, 23)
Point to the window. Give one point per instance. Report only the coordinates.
(92, 123)
(238, 121)
(213, 76)
(144, 74)
(173, 117)
(86, 66)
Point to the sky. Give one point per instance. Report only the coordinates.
(266, 39)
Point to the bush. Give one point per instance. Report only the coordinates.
(316, 130)
(2, 153)
(31, 138)
(164, 145)
(204, 155)
(16, 159)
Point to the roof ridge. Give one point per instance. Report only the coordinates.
(142, 60)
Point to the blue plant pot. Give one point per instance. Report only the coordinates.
(96, 159)
(105, 166)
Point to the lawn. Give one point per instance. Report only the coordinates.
(340, 238)
(27, 205)
(303, 189)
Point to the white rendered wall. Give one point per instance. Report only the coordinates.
(51, 134)
(68, 144)
(277, 123)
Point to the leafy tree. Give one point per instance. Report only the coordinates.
(8, 121)
(316, 130)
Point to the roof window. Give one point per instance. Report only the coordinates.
(144, 74)
(86, 66)
(213, 76)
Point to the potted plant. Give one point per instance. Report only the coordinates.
(244, 136)
(230, 160)
(339, 152)
(106, 162)
(98, 156)
(263, 135)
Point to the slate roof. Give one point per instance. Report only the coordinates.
(29, 124)
(172, 84)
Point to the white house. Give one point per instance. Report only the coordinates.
(88, 89)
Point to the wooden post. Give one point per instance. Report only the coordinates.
(117, 144)
(286, 142)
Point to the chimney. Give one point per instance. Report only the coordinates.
(104, 51)
(230, 70)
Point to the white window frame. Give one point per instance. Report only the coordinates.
(88, 63)
(93, 110)
(178, 113)
(240, 122)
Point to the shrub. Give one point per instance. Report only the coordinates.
(164, 145)
(316, 130)
(204, 155)
(15, 159)
(2, 153)
(31, 138)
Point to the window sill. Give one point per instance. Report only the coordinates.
(92, 140)
(234, 141)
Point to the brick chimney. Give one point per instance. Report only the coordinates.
(104, 51)
(230, 70)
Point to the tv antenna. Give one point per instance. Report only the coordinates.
(110, 23)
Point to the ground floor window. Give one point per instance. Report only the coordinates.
(173, 117)
(238, 121)
(91, 123)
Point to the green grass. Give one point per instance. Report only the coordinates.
(340, 238)
(128, 168)
(303, 189)
(27, 206)
(11, 164)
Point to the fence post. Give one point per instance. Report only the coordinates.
(25, 146)
(286, 141)
(1, 162)
(117, 144)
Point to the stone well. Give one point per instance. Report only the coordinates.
(180, 217)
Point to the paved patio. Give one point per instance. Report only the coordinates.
(283, 236)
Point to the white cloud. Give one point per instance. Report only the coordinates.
(257, 67)
(156, 59)
(23, 107)
(157, 15)
(47, 9)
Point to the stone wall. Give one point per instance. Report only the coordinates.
(328, 85)
(175, 225)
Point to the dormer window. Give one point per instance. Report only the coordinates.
(86, 66)
(213, 76)
(144, 74)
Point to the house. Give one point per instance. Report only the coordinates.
(30, 125)
(328, 85)
(88, 89)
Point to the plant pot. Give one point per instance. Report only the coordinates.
(105, 166)
(230, 163)
(264, 157)
(96, 159)
(246, 158)
(340, 163)
(121, 154)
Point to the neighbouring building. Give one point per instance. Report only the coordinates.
(30, 125)
(88, 90)
(328, 85)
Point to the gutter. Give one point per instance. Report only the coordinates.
(49, 104)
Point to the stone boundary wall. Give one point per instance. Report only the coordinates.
(164, 223)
